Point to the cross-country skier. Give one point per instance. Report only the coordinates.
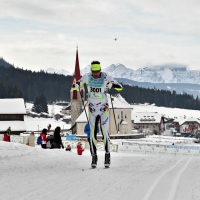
(98, 84)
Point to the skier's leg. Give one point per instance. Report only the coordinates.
(106, 138)
(93, 138)
(105, 130)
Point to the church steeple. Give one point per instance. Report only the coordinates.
(76, 98)
(77, 73)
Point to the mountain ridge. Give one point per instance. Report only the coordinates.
(168, 73)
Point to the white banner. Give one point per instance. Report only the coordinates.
(162, 150)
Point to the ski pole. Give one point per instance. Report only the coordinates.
(113, 113)
(83, 105)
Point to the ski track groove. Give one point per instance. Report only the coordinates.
(153, 186)
(175, 181)
(174, 186)
(108, 195)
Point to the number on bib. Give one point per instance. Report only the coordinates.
(95, 89)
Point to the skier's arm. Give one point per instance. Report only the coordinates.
(80, 82)
(112, 83)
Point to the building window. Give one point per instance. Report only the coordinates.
(121, 114)
(125, 117)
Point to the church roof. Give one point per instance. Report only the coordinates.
(77, 73)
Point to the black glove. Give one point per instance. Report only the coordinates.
(116, 86)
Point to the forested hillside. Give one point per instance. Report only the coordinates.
(54, 87)
(16, 82)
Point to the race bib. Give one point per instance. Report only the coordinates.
(96, 92)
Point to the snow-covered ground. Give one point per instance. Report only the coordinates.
(35, 124)
(35, 173)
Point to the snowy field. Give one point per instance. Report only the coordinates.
(35, 173)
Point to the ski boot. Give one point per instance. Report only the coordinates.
(94, 161)
(107, 160)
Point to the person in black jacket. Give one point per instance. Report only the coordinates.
(57, 143)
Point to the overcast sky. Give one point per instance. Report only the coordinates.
(38, 34)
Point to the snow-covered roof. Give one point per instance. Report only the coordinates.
(179, 120)
(118, 102)
(189, 120)
(146, 117)
(12, 106)
(167, 112)
(33, 113)
(67, 108)
(82, 117)
(67, 117)
(44, 113)
(15, 125)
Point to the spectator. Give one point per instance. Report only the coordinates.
(44, 138)
(79, 148)
(57, 143)
(9, 133)
(68, 148)
(50, 140)
(31, 140)
(49, 127)
(6, 137)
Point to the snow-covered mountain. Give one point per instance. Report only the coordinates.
(169, 73)
(85, 70)
(57, 71)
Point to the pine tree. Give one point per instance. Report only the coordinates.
(43, 102)
(40, 104)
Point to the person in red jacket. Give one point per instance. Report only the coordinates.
(79, 148)
(43, 135)
(6, 137)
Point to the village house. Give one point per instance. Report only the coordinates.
(151, 122)
(44, 115)
(189, 125)
(66, 110)
(58, 116)
(12, 113)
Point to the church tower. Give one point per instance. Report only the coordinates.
(76, 95)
